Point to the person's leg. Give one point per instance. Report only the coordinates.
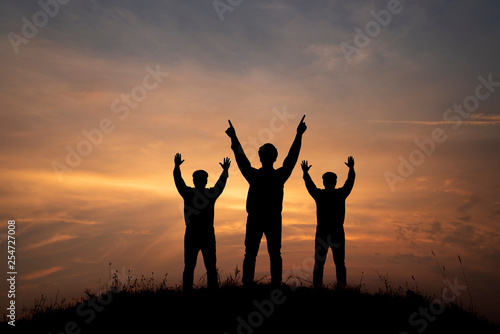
(252, 242)
(210, 259)
(320, 253)
(191, 249)
(273, 237)
(338, 249)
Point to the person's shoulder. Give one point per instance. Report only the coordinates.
(187, 192)
(281, 171)
(324, 192)
(252, 171)
(212, 193)
(342, 192)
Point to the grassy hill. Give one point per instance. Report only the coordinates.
(156, 308)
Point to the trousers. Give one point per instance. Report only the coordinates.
(322, 243)
(196, 240)
(270, 225)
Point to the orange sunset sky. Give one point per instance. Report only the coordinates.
(148, 80)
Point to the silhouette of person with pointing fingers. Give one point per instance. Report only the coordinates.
(330, 213)
(199, 203)
(265, 201)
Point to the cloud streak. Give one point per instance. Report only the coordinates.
(55, 239)
(489, 122)
(41, 273)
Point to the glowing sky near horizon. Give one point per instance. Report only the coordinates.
(263, 67)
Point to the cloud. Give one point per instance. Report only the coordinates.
(329, 57)
(462, 234)
(408, 258)
(455, 186)
(56, 238)
(486, 122)
(496, 208)
(482, 116)
(468, 203)
(136, 232)
(41, 273)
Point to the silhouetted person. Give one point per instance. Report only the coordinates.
(265, 201)
(199, 205)
(330, 212)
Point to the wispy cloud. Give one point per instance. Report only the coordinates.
(54, 239)
(136, 232)
(41, 273)
(484, 122)
(485, 117)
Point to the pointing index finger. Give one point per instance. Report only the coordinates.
(302, 120)
(230, 124)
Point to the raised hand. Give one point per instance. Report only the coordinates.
(178, 159)
(302, 126)
(305, 166)
(230, 131)
(225, 164)
(350, 162)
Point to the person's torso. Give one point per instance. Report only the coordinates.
(330, 209)
(266, 191)
(199, 207)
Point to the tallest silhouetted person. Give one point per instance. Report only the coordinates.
(265, 201)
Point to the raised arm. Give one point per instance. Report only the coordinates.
(311, 187)
(293, 154)
(221, 182)
(179, 182)
(349, 183)
(241, 159)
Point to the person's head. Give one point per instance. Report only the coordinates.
(268, 154)
(329, 180)
(200, 178)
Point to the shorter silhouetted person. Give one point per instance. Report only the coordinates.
(330, 213)
(199, 203)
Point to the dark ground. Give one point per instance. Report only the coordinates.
(261, 309)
